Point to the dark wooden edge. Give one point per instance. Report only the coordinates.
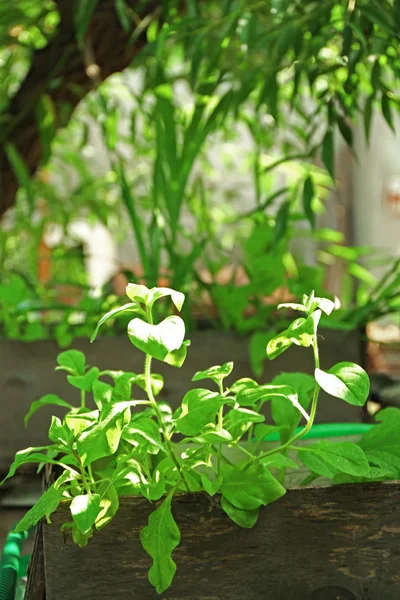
(35, 589)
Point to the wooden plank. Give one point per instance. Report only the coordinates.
(27, 373)
(331, 543)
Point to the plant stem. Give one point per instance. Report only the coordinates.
(83, 473)
(153, 402)
(310, 422)
(83, 404)
(92, 481)
(220, 424)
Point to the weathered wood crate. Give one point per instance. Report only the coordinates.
(329, 543)
(27, 373)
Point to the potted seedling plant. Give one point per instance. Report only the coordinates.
(131, 476)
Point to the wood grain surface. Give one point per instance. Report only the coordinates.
(339, 543)
(27, 373)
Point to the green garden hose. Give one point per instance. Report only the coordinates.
(329, 430)
(10, 564)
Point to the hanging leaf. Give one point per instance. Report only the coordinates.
(44, 507)
(243, 518)
(328, 153)
(250, 488)
(159, 539)
(281, 222)
(345, 130)
(308, 195)
(387, 112)
(368, 114)
(84, 510)
(84, 10)
(346, 381)
(21, 172)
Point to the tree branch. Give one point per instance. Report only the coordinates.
(60, 70)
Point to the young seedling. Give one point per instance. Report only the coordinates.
(119, 442)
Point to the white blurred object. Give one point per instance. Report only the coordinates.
(100, 251)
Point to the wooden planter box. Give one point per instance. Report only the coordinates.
(27, 373)
(329, 543)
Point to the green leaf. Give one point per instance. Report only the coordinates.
(301, 331)
(243, 384)
(387, 111)
(78, 537)
(239, 420)
(257, 351)
(281, 222)
(217, 373)
(157, 383)
(137, 292)
(199, 408)
(328, 458)
(72, 361)
(143, 430)
(177, 297)
(78, 422)
(212, 434)
(381, 443)
(59, 433)
(285, 411)
(29, 455)
(346, 381)
(178, 357)
(328, 153)
(102, 394)
(262, 431)
(278, 345)
(121, 10)
(154, 488)
(251, 487)
(243, 518)
(84, 10)
(46, 119)
(84, 382)
(44, 507)
(123, 386)
(308, 195)
(211, 486)
(293, 306)
(368, 115)
(327, 306)
(85, 510)
(279, 461)
(21, 172)
(249, 397)
(157, 340)
(391, 414)
(102, 439)
(345, 130)
(159, 539)
(130, 307)
(109, 503)
(48, 399)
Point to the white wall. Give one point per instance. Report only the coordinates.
(373, 222)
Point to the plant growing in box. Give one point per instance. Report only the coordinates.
(130, 444)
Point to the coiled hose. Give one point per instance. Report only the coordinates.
(9, 564)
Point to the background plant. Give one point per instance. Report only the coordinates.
(127, 446)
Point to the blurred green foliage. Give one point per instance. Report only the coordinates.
(289, 74)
